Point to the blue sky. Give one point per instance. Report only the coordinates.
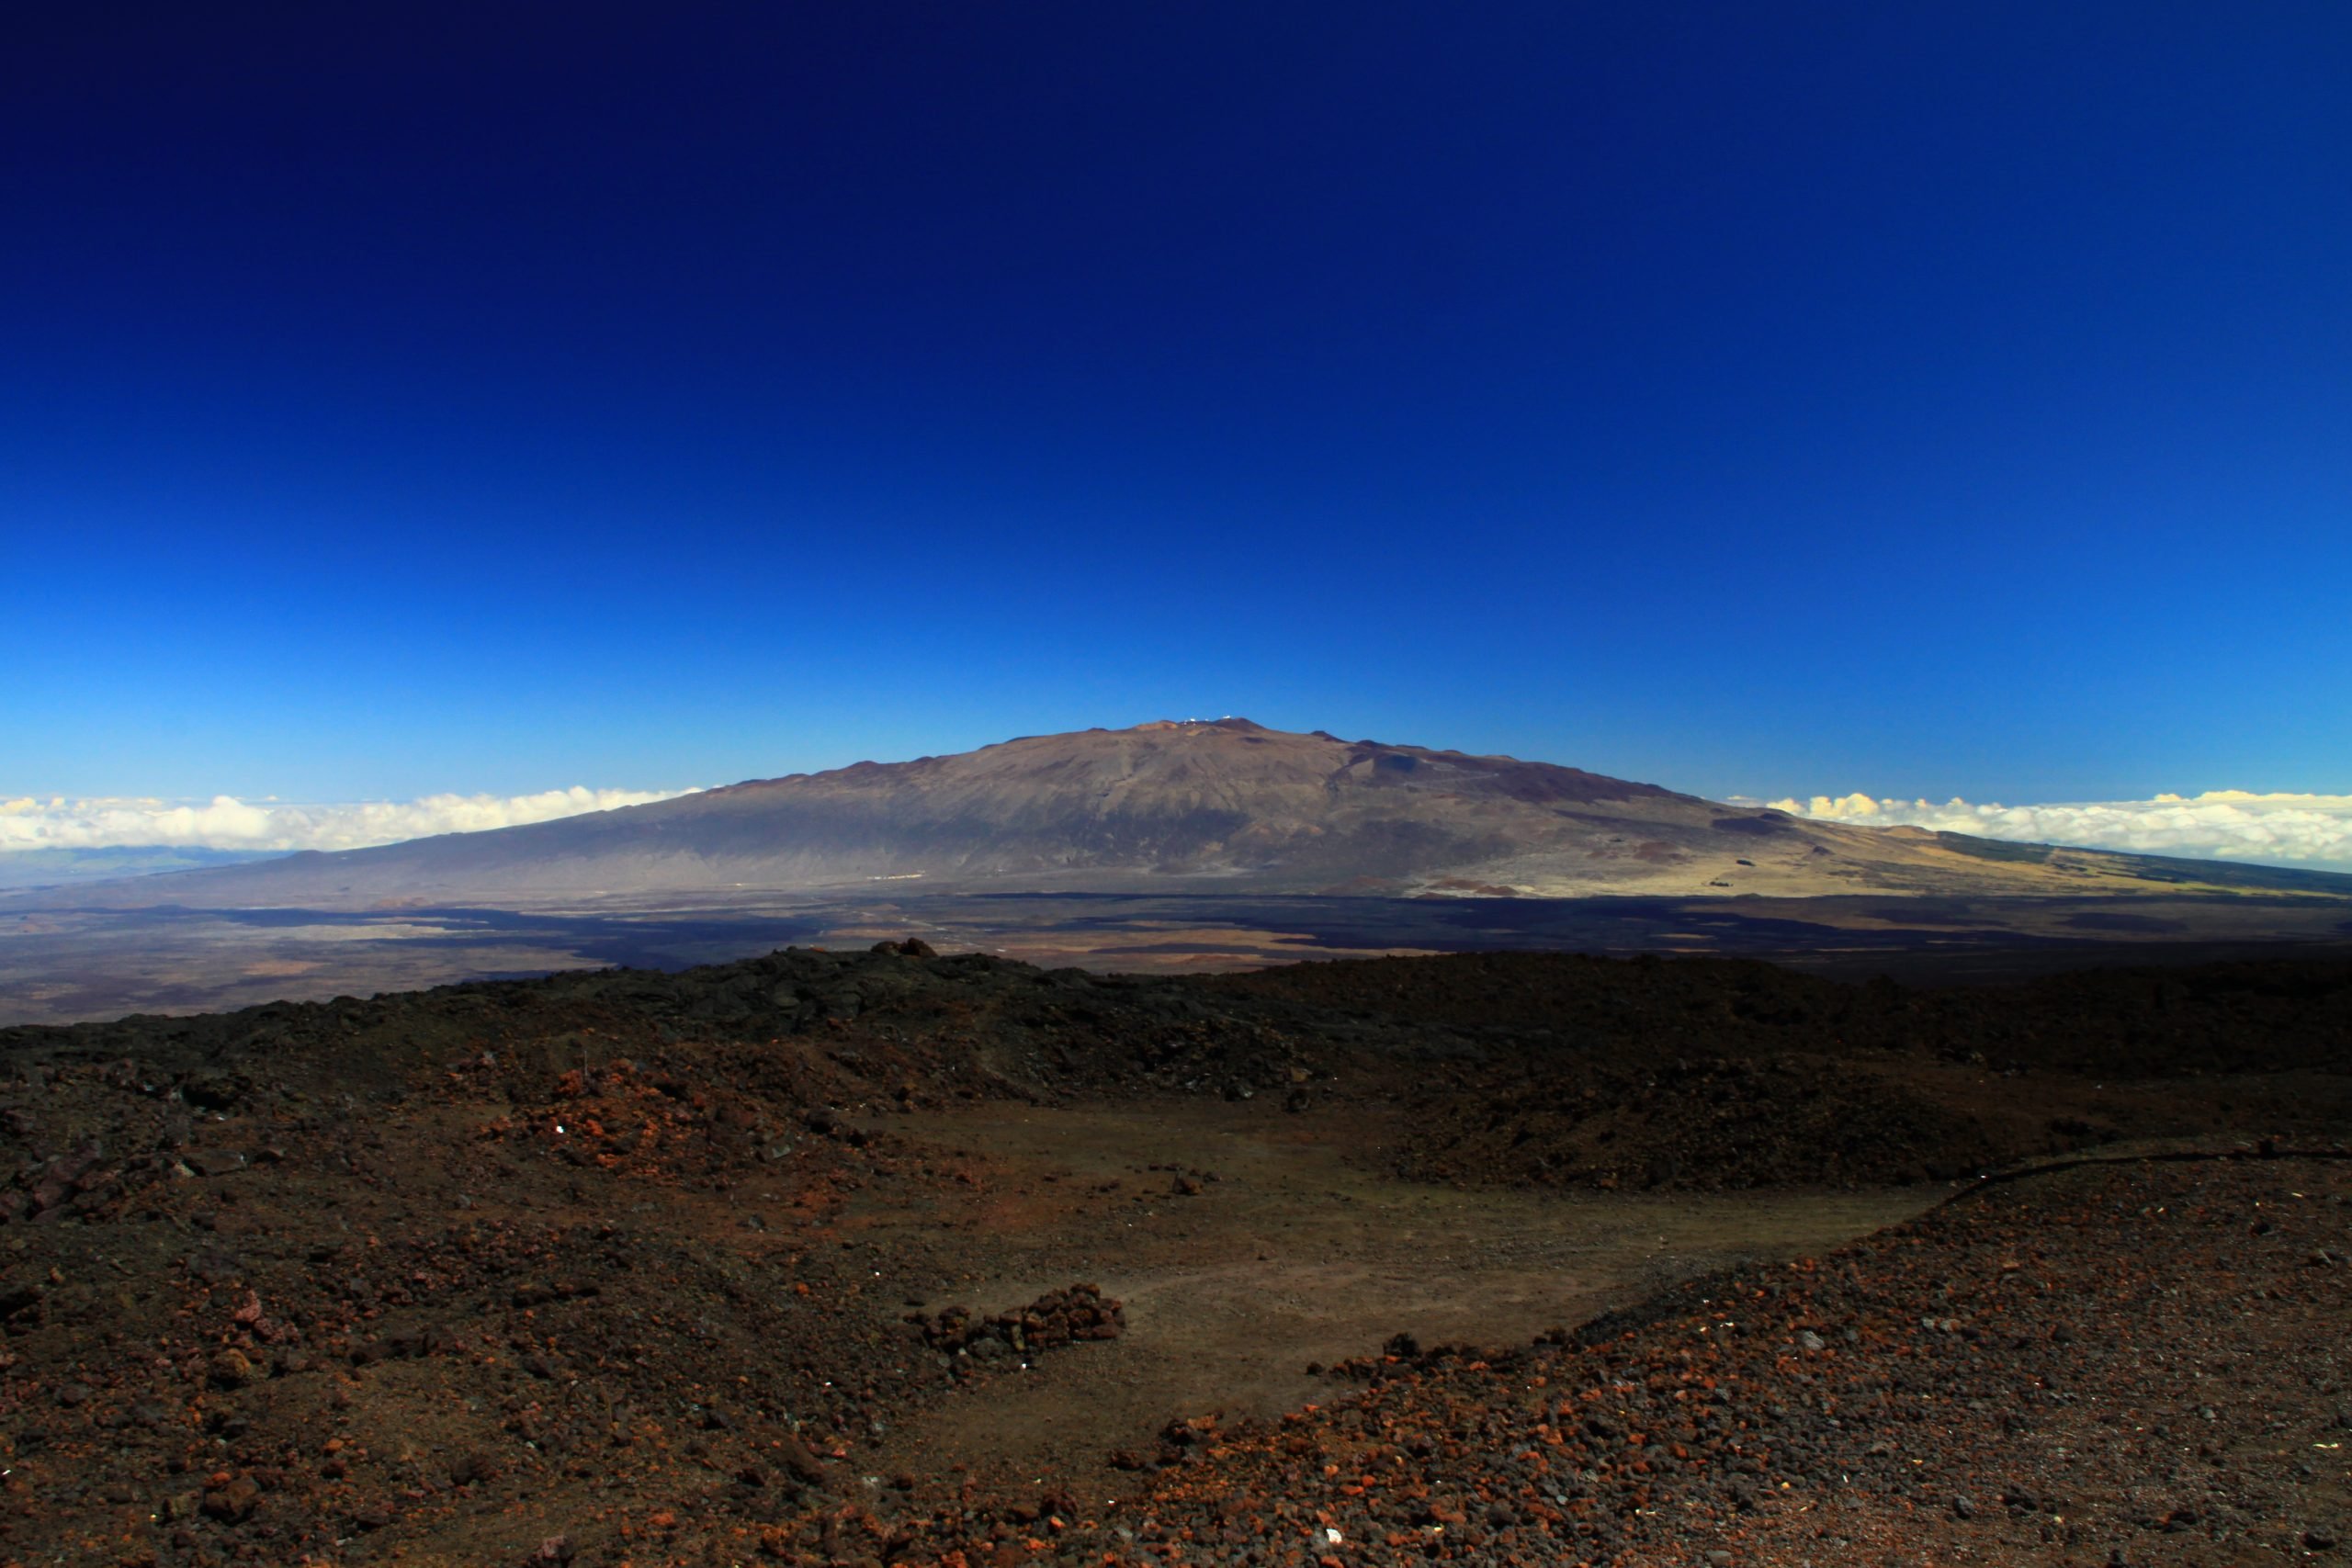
(1940, 399)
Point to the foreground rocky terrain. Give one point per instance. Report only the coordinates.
(2119, 1364)
(892, 1255)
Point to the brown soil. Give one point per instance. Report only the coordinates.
(628, 1267)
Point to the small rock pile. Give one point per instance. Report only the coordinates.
(1054, 1319)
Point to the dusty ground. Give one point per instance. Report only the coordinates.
(1297, 1252)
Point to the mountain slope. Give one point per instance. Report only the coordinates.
(1171, 805)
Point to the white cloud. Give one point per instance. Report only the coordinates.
(228, 823)
(2312, 831)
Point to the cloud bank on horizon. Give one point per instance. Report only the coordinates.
(2308, 831)
(227, 823)
(2302, 830)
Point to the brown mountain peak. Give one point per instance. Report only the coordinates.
(1225, 805)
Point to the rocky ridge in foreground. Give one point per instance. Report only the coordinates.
(588, 1268)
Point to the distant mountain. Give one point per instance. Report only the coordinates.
(1178, 806)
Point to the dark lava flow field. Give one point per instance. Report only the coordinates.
(887, 1257)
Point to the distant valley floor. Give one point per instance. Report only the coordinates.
(61, 963)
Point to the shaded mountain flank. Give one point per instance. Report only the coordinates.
(1221, 804)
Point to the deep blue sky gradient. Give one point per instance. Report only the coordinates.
(1942, 398)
